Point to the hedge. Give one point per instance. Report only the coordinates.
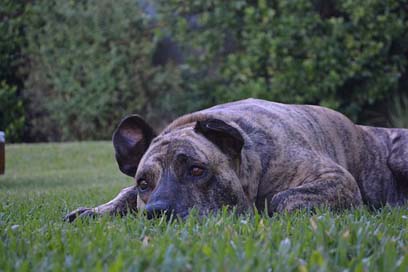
(88, 63)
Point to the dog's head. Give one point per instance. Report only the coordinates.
(189, 166)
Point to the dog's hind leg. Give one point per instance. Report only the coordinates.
(398, 164)
(331, 186)
(124, 202)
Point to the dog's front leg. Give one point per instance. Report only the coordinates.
(332, 187)
(125, 201)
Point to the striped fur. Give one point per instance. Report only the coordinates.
(293, 157)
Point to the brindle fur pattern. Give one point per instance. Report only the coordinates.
(292, 157)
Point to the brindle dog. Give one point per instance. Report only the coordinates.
(249, 153)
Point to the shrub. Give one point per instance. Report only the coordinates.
(398, 113)
(91, 62)
(11, 41)
(347, 55)
(91, 65)
(12, 113)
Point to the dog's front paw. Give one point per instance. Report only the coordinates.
(80, 213)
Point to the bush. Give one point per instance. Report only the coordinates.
(11, 41)
(91, 63)
(398, 113)
(12, 113)
(348, 55)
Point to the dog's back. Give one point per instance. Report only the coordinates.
(283, 137)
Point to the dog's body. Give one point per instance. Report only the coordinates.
(277, 157)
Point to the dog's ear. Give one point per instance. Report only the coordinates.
(131, 139)
(226, 137)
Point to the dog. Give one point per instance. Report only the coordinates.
(257, 154)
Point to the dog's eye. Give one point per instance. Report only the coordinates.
(196, 171)
(143, 185)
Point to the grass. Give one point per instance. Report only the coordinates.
(45, 181)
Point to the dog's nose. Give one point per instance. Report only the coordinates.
(158, 209)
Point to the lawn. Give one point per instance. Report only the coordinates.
(45, 181)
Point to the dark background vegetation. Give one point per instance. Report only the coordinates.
(69, 70)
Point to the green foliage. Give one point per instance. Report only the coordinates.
(343, 54)
(86, 64)
(91, 65)
(11, 42)
(44, 181)
(12, 113)
(398, 111)
(11, 37)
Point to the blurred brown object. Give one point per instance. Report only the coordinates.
(2, 152)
